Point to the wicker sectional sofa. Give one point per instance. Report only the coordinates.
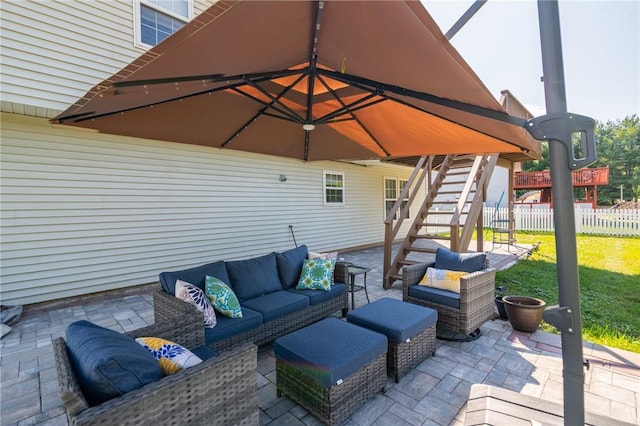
(265, 287)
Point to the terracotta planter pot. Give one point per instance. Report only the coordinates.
(501, 309)
(525, 313)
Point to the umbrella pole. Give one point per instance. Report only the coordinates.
(563, 217)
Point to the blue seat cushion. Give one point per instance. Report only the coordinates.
(290, 264)
(319, 296)
(397, 320)
(254, 277)
(195, 276)
(330, 350)
(107, 363)
(204, 352)
(227, 327)
(435, 295)
(277, 304)
(467, 262)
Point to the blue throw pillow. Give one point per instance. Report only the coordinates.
(253, 277)
(290, 264)
(467, 262)
(107, 363)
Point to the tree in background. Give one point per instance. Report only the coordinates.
(617, 146)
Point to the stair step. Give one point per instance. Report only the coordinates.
(405, 262)
(420, 250)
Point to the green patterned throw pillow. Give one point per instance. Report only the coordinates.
(316, 274)
(222, 298)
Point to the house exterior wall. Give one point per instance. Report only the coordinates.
(83, 212)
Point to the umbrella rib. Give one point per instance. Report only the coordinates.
(348, 109)
(216, 78)
(286, 114)
(461, 106)
(262, 111)
(276, 100)
(334, 94)
(77, 118)
(313, 61)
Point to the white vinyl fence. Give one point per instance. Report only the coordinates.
(588, 221)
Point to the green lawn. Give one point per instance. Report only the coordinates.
(609, 272)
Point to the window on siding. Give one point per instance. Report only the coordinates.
(333, 188)
(158, 19)
(392, 189)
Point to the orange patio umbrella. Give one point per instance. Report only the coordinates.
(312, 80)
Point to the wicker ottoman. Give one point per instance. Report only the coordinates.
(410, 329)
(330, 368)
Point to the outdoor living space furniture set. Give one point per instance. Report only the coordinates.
(328, 365)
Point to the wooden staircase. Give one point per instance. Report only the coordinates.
(452, 209)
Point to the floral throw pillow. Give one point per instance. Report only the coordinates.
(222, 298)
(443, 279)
(316, 274)
(331, 255)
(171, 356)
(191, 294)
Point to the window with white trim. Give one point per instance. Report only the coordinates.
(392, 189)
(333, 184)
(158, 19)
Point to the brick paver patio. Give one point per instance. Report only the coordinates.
(433, 394)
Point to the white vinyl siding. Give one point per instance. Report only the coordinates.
(53, 52)
(84, 212)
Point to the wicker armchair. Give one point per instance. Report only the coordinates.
(219, 391)
(476, 300)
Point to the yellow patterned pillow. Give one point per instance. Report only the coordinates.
(171, 356)
(443, 279)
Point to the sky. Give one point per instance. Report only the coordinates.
(600, 44)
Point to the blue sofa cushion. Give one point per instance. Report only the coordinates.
(254, 277)
(397, 320)
(227, 327)
(194, 276)
(277, 304)
(333, 349)
(290, 264)
(319, 296)
(435, 295)
(467, 262)
(204, 352)
(107, 363)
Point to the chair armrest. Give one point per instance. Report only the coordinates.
(168, 307)
(341, 272)
(477, 285)
(187, 332)
(412, 274)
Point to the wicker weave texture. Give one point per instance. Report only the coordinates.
(334, 404)
(219, 391)
(167, 307)
(404, 357)
(476, 299)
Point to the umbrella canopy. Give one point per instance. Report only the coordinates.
(313, 80)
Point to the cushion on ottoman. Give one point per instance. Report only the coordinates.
(397, 320)
(107, 363)
(330, 350)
